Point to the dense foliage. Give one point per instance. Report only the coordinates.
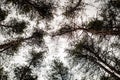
(94, 43)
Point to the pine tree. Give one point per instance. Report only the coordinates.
(13, 29)
(100, 39)
(59, 71)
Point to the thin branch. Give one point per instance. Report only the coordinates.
(5, 26)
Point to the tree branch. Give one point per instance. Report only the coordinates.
(12, 43)
(112, 69)
(100, 32)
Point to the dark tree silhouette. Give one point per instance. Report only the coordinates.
(25, 72)
(59, 71)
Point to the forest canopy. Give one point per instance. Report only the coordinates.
(59, 39)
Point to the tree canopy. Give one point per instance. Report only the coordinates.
(27, 26)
